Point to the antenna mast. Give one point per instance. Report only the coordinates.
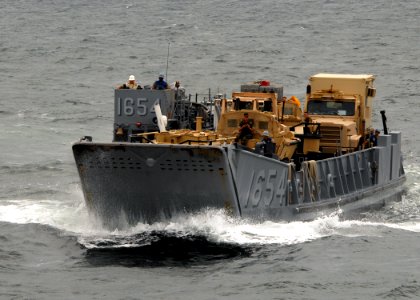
(167, 62)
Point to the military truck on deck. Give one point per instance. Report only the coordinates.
(342, 106)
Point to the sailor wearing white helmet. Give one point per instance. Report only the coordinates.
(131, 84)
(267, 144)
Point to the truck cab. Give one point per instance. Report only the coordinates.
(342, 106)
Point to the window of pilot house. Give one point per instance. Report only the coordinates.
(263, 125)
(243, 105)
(288, 110)
(229, 105)
(265, 105)
(232, 123)
(261, 105)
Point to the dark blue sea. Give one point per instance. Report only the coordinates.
(59, 63)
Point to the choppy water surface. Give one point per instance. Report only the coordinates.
(59, 62)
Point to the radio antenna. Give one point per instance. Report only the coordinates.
(167, 63)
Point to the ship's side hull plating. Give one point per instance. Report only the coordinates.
(148, 182)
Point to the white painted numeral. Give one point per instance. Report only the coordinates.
(141, 108)
(269, 187)
(257, 189)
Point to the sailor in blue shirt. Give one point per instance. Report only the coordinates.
(160, 84)
(374, 138)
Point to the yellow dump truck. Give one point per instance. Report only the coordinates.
(342, 106)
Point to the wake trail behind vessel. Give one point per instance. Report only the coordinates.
(71, 218)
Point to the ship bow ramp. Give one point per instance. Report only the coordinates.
(148, 183)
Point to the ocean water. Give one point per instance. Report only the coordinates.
(59, 63)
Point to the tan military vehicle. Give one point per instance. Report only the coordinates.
(265, 113)
(342, 106)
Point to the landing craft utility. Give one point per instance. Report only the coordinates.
(287, 165)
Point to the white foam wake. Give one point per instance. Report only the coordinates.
(72, 218)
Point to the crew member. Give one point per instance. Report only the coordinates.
(131, 84)
(373, 138)
(295, 100)
(179, 90)
(307, 121)
(175, 85)
(160, 84)
(267, 144)
(245, 130)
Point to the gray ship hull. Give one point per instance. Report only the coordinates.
(132, 182)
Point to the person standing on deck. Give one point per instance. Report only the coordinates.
(373, 138)
(267, 144)
(131, 84)
(160, 84)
